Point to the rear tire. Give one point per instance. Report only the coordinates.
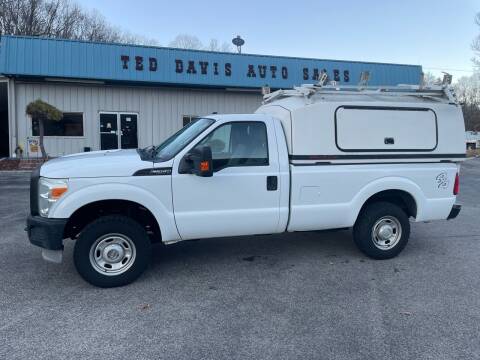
(112, 251)
(382, 230)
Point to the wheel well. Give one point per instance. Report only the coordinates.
(398, 197)
(87, 213)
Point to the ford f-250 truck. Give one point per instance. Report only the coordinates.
(310, 158)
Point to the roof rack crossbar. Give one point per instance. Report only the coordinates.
(437, 92)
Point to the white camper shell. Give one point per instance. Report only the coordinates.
(340, 125)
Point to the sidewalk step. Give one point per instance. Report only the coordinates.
(20, 164)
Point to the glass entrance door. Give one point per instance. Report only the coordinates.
(128, 131)
(118, 131)
(108, 131)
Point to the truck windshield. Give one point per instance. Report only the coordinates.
(172, 146)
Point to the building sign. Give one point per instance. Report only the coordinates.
(33, 145)
(179, 67)
(253, 71)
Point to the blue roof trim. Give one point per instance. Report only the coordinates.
(43, 57)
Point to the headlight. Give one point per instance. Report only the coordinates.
(49, 191)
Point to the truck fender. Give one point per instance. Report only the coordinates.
(118, 191)
(387, 183)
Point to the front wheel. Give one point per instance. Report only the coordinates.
(381, 230)
(112, 251)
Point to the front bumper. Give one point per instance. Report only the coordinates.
(454, 212)
(45, 232)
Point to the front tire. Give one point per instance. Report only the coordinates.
(382, 230)
(112, 251)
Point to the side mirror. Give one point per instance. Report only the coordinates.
(198, 162)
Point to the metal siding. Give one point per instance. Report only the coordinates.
(89, 60)
(159, 110)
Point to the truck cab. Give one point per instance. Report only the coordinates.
(313, 158)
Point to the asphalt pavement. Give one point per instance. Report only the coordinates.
(294, 296)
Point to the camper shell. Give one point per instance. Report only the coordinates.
(336, 125)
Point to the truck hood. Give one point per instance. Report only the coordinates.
(95, 164)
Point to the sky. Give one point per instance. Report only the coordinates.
(436, 34)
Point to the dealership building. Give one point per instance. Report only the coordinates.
(126, 96)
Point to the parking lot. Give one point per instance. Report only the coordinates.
(295, 296)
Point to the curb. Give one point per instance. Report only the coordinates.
(15, 171)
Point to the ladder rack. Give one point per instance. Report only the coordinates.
(443, 93)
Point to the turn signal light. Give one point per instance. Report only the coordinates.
(204, 166)
(456, 186)
(57, 192)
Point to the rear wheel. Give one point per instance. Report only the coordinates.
(382, 230)
(112, 251)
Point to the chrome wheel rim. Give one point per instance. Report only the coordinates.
(112, 254)
(386, 233)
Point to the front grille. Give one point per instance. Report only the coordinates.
(34, 178)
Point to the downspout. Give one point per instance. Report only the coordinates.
(12, 118)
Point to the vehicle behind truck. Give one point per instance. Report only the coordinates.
(311, 158)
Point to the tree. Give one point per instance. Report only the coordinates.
(60, 19)
(430, 79)
(43, 111)
(467, 89)
(186, 41)
(476, 44)
(213, 45)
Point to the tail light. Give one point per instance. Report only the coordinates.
(456, 186)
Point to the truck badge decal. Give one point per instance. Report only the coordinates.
(442, 180)
(153, 172)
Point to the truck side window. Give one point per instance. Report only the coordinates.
(238, 144)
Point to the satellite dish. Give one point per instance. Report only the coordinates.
(238, 42)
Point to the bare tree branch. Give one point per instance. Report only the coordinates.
(185, 41)
(60, 19)
(67, 20)
(476, 44)
(431, 79)
(467, 89)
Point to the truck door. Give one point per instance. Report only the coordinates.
(242, 197)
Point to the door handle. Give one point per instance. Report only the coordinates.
(272, 183)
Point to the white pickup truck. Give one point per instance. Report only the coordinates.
(310, 158)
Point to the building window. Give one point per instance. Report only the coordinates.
(71, 124)
(187, 119)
